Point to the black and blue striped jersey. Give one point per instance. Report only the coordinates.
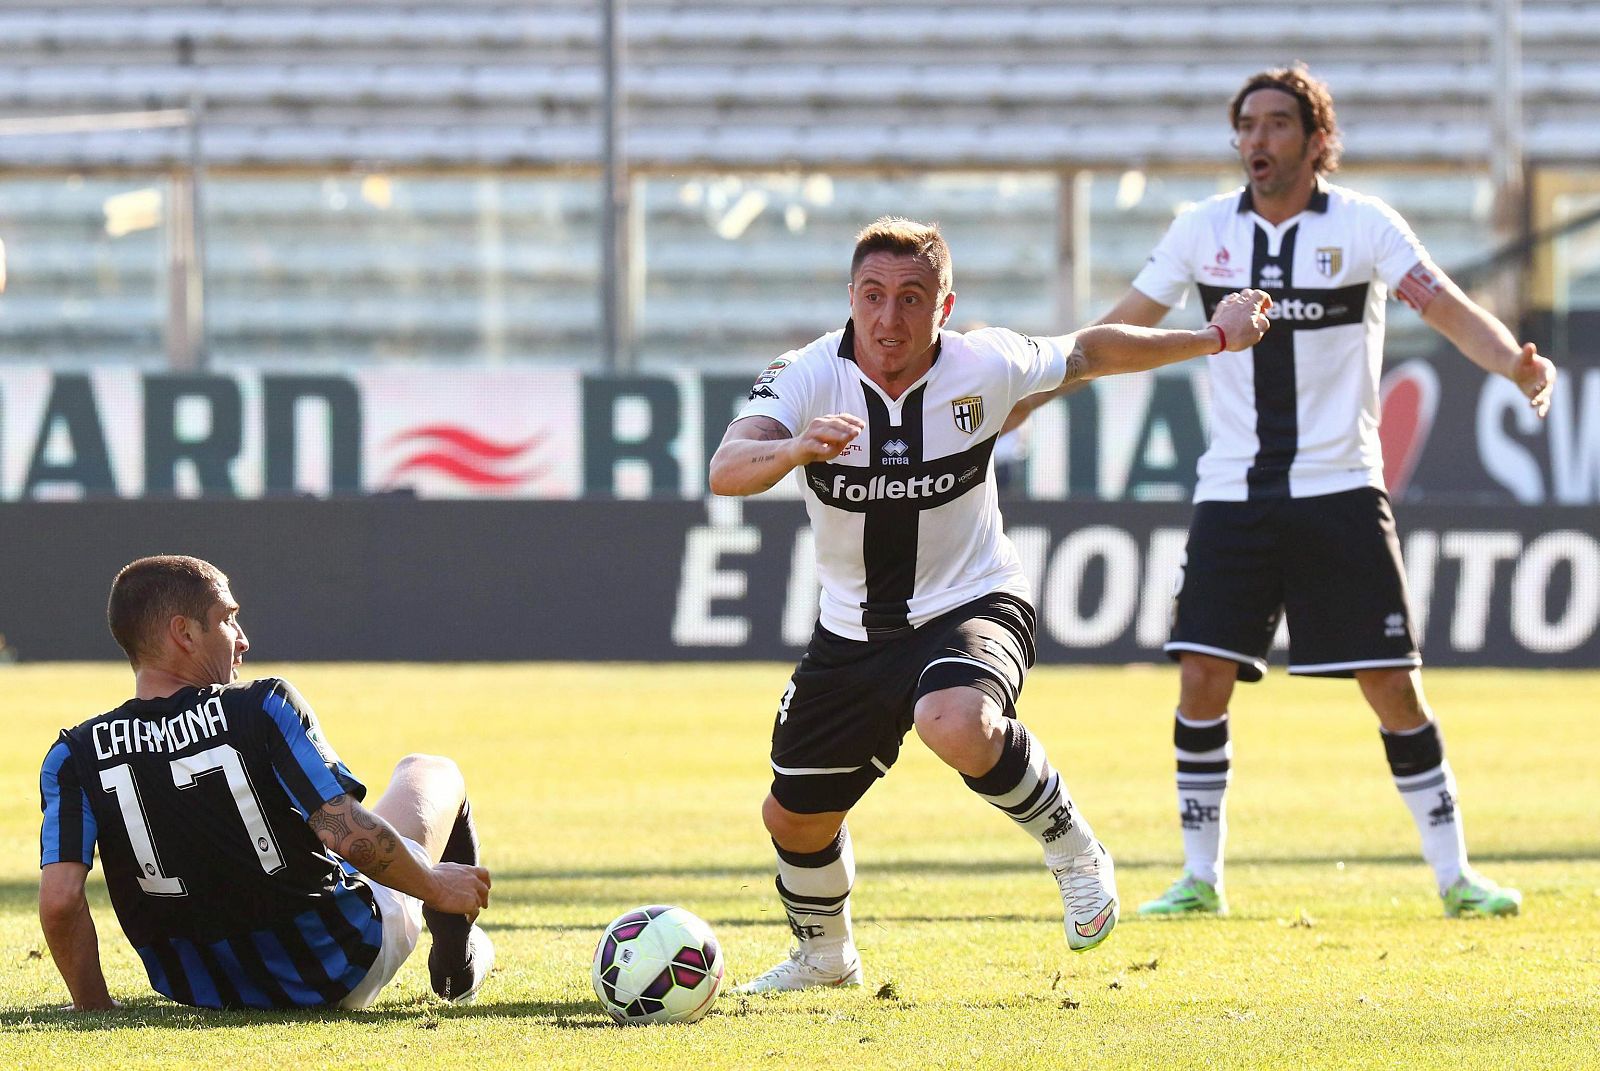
(199, 805)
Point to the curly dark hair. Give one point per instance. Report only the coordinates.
(1316, 107)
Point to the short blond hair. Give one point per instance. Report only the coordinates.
(907, 238)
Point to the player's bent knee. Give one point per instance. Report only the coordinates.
(440, 774)
(960, 725)
(799, 832)
(1206, 684)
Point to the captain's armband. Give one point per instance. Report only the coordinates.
(1420, 286)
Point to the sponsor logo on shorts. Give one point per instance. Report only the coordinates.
(1394, 626)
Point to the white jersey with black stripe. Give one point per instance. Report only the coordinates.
(1297, 415)
(906, 519)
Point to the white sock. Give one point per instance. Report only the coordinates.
(1023, 785)
(1428, 787)
(814, 888)
(1205, 766)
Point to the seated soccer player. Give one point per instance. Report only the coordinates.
(241, 863)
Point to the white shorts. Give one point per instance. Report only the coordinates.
(402, 925)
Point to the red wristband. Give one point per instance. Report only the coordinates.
(1222, 335)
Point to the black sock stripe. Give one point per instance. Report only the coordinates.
(1221, 766)
(1207, 737)
(1040, 799)
(787, 896)
(814, 860)
(1414, 753)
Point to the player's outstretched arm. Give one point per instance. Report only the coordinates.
(1239, 321)
(374, 847)
(758, 451)
(1484, 340)
(70, 933)
(1134, 308)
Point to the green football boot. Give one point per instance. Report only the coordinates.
(1474, 894)
(1188, 896)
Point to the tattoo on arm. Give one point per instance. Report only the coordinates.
(1077, 363)
(329, 819)
(763, 429)
(362, 837)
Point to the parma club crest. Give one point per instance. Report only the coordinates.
(968, 413)
(1330, 258)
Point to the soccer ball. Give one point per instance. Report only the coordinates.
(657, 964)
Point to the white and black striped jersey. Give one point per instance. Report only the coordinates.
(907, 520)
(1297, 415)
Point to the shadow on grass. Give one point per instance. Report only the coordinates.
(150, 1012)
(987, 867)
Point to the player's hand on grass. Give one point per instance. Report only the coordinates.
(459, 889)
(826, 437)
(1242, 318)
(1535, 377)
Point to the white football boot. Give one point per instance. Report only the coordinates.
(1088, 896)
(802, 971)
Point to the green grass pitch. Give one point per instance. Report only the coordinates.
(599, 788)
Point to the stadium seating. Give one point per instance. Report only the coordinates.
(753, 87)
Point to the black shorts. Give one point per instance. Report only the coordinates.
(1331, 563)
(851, 702)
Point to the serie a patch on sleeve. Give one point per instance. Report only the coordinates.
(763, 384)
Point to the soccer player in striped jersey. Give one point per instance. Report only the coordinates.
(1291, 513)
(889, 428)
(241, 863)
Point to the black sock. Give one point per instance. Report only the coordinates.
(450, 931)
(462, 847)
